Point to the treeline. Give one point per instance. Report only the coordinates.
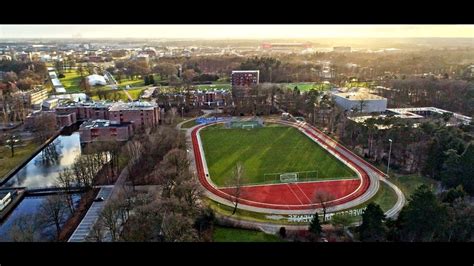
(453, 95)
(167, 212)
(427, 217)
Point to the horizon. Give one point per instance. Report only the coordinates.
(234, 31)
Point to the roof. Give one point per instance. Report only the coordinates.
(359, 96)
(245, 71)
(56, 83)
(102, 123)
(118, 106)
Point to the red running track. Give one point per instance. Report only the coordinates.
(296, 196)
(297, 193)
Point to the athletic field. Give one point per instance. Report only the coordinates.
(267, 150)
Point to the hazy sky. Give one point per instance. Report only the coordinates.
(234, 31)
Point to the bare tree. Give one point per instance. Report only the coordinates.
(51, 212)
(111, 218)
(236, 183)
(66, 181)
(25, 228)
(323, 197)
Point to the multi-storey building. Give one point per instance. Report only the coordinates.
(105, 130)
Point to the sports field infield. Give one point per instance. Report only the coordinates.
(264, 151)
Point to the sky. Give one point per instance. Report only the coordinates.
(235, 31)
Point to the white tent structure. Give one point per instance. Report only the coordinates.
(96, 80)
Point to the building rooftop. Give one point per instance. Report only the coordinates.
(359, 96)
(102, 123)
(131, 106)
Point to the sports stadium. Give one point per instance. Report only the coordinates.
(288, 167)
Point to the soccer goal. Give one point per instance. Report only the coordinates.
(288, 177)
(247, 126)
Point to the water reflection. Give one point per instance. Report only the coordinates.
(30, 206)
(44, 168)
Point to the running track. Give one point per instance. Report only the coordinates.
(297, 198)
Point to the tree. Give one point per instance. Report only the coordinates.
(315, 227)
(282, 232)
(236, 183)
(44, 126)
(323, 197)
(423, 206)
(111, 219)
(25, 228)
(372, 228)
(65, 180)
(342, 221)
(12, 141)
(52, 212)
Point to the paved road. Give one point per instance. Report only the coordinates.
(82, 231)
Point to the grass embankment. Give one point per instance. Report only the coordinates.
(7, 163)
(227, 234)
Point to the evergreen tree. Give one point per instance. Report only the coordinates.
(315, 227)
(372, 228)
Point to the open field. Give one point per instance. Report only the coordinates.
(307, 86)
(71, 82)
(264, 151)
(409, 183)
(227, 234)
(120, 94)
(7, 163)
(131, 83)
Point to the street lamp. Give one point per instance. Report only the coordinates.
(11, 141)
(182, 111)
(389, 153)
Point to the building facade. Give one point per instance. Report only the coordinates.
(360, 102)
(104, 130)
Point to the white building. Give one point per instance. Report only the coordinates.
(369, 103)
(95, 79)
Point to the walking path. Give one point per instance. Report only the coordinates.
(82, 231)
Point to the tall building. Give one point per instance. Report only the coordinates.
(243, 81)
(245, 78)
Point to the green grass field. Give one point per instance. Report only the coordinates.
(189, 124)
(116, 95)
(409, 183)
(71, 81)
(226, 234)
(7, 163)
(276, 149)
(307, 86)
(131, 83)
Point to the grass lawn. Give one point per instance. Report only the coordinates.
(409, 183)
(307, 86)
(227, 234)
(266, 150)
(189, 124)
(7, 163)
(71, 81)
(120, 94)
(131, 83)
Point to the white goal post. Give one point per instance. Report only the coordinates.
(289, 177)
(247, 126)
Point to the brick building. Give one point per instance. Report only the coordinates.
(104, 130)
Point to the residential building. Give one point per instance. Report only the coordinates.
(105, 130)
